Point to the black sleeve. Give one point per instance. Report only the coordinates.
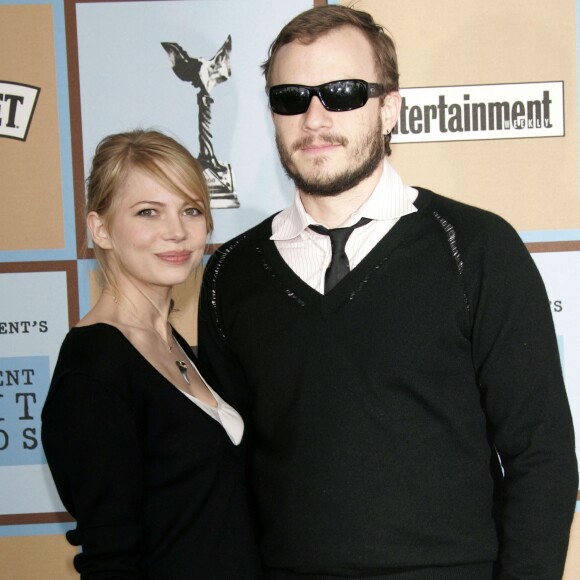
(519, 372)
(91, 442)
(214, 351)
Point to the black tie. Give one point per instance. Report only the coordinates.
(339, 266)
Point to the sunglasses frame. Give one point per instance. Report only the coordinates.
(373, 90)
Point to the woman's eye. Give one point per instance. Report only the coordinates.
(192, 211)
(149, 212)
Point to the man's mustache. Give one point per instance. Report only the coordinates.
(310, 140)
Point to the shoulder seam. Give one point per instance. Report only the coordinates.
(452, 241)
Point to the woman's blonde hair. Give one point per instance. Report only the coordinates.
(153, 153)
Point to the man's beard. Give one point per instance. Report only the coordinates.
(365, 158)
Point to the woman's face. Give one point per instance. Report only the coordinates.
(155, 237)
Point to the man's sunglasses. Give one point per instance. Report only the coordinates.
(337, 96)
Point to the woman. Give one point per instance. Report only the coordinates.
(145, 455)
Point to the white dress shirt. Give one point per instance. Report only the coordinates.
(308, 253)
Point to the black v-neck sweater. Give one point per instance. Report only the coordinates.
(156, 485)
(379, 410)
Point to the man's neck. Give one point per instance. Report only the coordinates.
(333, 211)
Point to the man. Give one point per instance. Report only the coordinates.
(409, 415)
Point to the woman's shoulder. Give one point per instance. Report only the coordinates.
(94, 341)
(98, 350)
(91, 364)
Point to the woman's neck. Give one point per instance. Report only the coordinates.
(132, 307)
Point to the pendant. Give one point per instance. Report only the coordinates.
(182, 369)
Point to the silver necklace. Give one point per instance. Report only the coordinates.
(183, 370)
(181, 364)
(165, 342)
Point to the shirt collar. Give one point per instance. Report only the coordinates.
(390, 200)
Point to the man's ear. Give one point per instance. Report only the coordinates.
(98, 231)
(390, 111)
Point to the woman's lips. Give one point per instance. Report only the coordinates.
(174, 257)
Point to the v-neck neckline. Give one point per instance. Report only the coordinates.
(347, 288)
(144, 359)
(177, 392)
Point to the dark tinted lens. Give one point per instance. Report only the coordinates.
(291, 100)
(344, 95)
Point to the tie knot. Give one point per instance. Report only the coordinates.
(339, 236)
(339, 265)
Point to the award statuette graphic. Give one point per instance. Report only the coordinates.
(205, 75)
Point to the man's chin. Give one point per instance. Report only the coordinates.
(332, 185)
(321, 186)
(321, 190)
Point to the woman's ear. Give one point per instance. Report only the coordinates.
(98, 231)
